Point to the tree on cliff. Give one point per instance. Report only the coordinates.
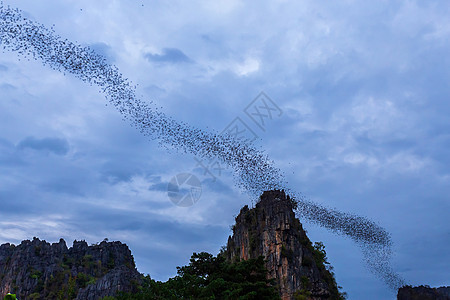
(209, 277)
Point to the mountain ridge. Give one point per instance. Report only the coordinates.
(36, 269)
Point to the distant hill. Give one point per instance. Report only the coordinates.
(423, 293)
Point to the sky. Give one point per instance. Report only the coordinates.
(362, 91)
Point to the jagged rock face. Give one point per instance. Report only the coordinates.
(423, 293)
(40, 270)
(118, 279)
(271, 230)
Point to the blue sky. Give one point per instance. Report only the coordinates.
(364, 91)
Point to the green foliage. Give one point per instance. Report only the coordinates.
(64, 283)
(92, 280)
(39, 286)
(253, 240)
(319, 253)
(321, 260)
(34, 274)
(87, 261)
(82, 279)
(223, 250)
(37, 250)
(209, 277)
(111, 263)
(307, 261)
(67, 262)
(35, 296)
(303, 293)
(305, 282)
(68, 290)
(251, 217)
(288, 253)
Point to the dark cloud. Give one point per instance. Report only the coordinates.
(55, 145)
(169, 55)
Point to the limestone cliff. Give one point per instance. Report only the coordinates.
(272, 230)
(40, 270)
(423, 293)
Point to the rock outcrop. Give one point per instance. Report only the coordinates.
(423, 293)
(40, 270)
(272, 230)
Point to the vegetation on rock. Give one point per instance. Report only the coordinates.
(210, 277)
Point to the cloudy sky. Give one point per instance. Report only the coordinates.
(365, 128)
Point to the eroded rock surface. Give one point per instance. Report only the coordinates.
(272, 230)
(39, 270)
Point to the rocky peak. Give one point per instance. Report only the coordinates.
(423, 293)
(272, 230)
(39, 270)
